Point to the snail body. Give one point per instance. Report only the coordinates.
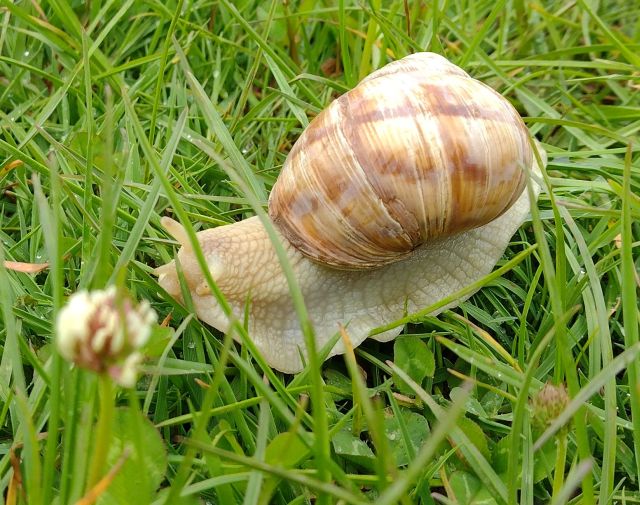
(403, 191)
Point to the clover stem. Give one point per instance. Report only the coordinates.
(103, 430)
(561, 456)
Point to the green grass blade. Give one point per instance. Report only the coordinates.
(620, 363)
(445, 420)
(476, 460)
(163, 65)
(630, 305)
(136, 233)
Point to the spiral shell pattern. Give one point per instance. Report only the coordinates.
(418, 150)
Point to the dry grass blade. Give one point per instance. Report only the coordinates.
(25, 268)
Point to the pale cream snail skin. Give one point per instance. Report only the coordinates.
(401, 192)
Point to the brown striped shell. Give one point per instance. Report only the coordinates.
(417, 150)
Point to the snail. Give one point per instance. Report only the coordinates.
(401, 192)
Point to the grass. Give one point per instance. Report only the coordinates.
(114, 114)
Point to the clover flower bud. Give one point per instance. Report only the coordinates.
(102, 331)
(548, 404)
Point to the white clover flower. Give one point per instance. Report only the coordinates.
(126, 374)
(102, 330)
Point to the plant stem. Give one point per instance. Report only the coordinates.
(561, 457)
(103, 431)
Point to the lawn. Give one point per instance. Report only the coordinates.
(114, 114)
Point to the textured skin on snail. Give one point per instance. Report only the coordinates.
(439, 254)
(417, 150)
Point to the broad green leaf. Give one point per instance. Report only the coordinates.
(182, 500)
(543, 460)
(338, 381)
(483, 497)
(500, 455)
(468, 489)
(160, 337)
(100, 150)
(464, 485)
(472, 405)
(417, 429)
(413, 356)
(353, 449)
(475, 434)
(286, 450)
(143, 470)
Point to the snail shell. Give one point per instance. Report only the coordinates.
(418, 150)
(418, 163)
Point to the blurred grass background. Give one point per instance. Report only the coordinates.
(99, 99)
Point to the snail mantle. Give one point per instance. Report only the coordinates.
(403, 191)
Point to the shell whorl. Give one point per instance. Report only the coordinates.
(417, 150)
